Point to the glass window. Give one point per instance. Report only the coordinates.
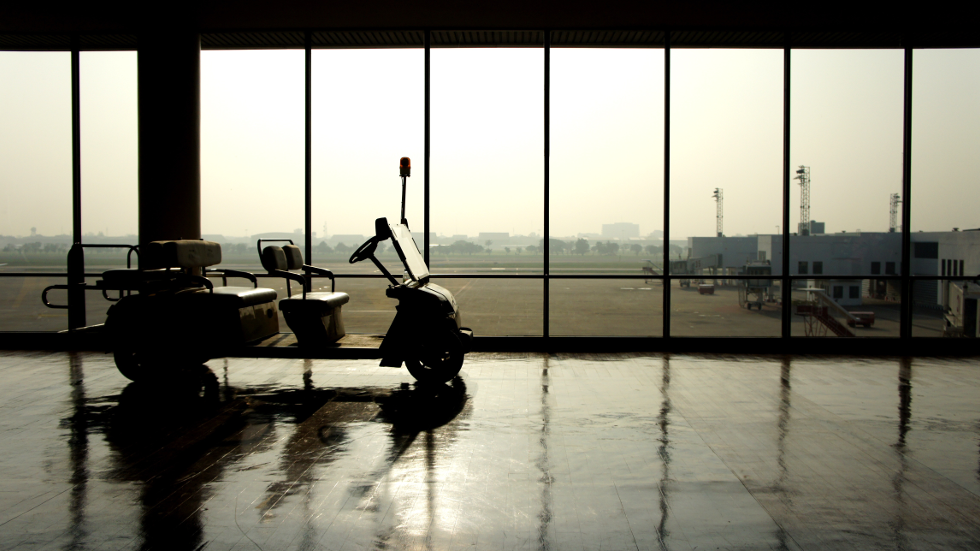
(35, 160)
(889, 268)
(721, 306)
(945, 139)
(608, 307)
(846, 135)
(726, 135)
(803, 268)
(875, 268)
(830, 310)
(946, 309)
(369, 310)
(817, 267)
(368, 113)
(110, 148)
(925, 250)
(499, 307)
(487, 155)
(252, 150)
(606, 192)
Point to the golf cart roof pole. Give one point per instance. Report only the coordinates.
(405, 169)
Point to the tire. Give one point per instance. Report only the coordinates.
(439, 360)
(128, 363)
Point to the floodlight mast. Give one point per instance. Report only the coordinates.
(803, 175)
(894, 201)
(405, 170)
(719, 196)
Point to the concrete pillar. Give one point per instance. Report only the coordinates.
(169, 76)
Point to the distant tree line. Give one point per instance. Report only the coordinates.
(36, 247)
(557, 246)
(581, 247)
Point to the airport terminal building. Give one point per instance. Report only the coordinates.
(846, 255)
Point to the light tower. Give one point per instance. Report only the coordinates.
(893, 212)
(803, 175)
(720, 216)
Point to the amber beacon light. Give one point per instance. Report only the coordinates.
(405, 169)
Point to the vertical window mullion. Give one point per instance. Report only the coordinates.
(425, 172)
(308, 212)
(666, 241)
(547, 181)
(906, 308)
(76, 261)
(786, 283)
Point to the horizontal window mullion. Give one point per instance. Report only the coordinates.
(34, 274)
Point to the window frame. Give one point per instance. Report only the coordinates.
(949, 268)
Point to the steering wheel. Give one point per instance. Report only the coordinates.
(365, 251)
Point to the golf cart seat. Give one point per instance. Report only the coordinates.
(163, 265)
(178, 317)
(315, 318)
(238, 314)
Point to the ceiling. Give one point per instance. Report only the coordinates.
(251, 24)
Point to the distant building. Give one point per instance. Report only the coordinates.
(620, 230)
(732, 251)
(498, 238)
(354, 239)
(856, 257)
(459, 237)
(816, 228)
(955, 253)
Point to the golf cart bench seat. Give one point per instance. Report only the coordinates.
(321, 301)
(157, 261)
(315, 318)
(240, 297)
(233, 315)
(131, 280)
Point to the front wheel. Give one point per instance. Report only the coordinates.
(129, 364)
(439, 360)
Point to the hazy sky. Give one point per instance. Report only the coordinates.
(488, 145)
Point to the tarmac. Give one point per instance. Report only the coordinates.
(514, 307)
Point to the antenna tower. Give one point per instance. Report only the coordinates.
(803, 175)
(893, 212)
(720, 216)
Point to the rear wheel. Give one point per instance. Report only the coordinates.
(439, 361)
(128, 363)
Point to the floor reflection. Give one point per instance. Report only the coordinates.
(782, 431)
(78, 454)
(543, 462)
(174, 439)
(663, 450)
(904, 425)
(529, 451)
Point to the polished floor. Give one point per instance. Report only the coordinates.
(522, 451)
